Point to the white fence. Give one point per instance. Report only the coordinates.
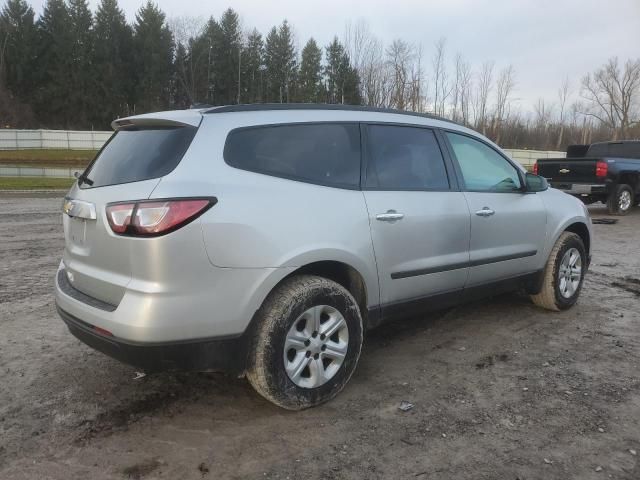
(90, 140)
(527, 158)
(69, 139)
(56, 172)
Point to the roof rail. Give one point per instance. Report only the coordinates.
(259, 107)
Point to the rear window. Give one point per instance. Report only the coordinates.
(324, 154)
(133, 155)
(617, 149)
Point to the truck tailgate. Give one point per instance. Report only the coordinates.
(574, 170)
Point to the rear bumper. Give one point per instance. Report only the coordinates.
(581, 188)
(213, 354)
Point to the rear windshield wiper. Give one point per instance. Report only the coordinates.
(83, 178)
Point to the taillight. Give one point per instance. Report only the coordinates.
(535, 168)
(151, 218)
(602, 169)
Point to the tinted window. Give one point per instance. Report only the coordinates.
(135, 155)
(326, 154)
(615, 149)
(483, 168)
(405, 158)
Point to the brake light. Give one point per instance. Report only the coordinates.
(152, 218)
(535, 168)
(602, 168)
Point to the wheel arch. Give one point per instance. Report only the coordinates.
(343, 274)
(580, 229)
(630, 178)
(336, 265)
(577, 226)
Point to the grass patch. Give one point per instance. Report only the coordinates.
(47, 157)
(35, 183)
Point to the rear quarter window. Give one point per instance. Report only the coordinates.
(615, 149)
(134, 155)
(324, 154)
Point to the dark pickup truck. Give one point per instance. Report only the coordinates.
(607, 172)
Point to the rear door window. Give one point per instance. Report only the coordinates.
(133, 155)
(404, 158)
(320, 153)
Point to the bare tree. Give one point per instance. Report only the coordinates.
(563, 95)
(543, 112)
(466, 84)
(613, 95)
(504, 89)
(367, 56)
(404, 62)
(485, 79)
(442, 88)
(416, 98)
(456, 88)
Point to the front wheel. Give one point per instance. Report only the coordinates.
(306, 344)
(563, 274)
(620, 200)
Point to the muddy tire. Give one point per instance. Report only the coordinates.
(563, 274)
(306, 343)
(620, 200)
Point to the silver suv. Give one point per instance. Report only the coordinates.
(262, 240)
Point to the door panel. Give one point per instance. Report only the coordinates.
(419, 226)
(507, 224)
(425, 252)
(508, 242)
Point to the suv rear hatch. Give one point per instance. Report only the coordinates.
(129, 167)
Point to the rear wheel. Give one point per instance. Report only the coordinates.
(306, 344)
(563, 274)
(620, 200)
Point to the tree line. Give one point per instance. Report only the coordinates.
(72, 68)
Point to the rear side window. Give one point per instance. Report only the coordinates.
(404, 158)
(324, 154)
(133, 155)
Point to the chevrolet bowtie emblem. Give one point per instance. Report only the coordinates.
(564, 170)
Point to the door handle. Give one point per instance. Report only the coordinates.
(485, 212)
(390, 216)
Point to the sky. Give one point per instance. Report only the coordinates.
(544, 40)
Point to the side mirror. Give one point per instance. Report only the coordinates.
(535, 183)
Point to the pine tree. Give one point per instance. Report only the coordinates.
(153, 47)
(343, 81)
(55, 45)
(190, 69)
(272, 67)
(212, 38)
(17, 48)
(310, 88)
(280, 62)
(112, 64)
(81, 73)
(253, 69)
(227, 55)
(182, 93)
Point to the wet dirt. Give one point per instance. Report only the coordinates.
(500, 388)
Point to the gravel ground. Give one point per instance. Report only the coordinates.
(501, 389)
